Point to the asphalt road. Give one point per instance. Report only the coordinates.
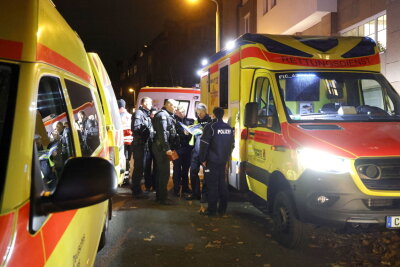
(144, 233)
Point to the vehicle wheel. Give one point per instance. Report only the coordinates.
(103, 237)
(288, 230)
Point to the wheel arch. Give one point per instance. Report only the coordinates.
(277, 183)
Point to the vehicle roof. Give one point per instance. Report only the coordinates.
(283, 52)
(34, 31)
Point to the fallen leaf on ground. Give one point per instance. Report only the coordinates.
(215, 230)
(211, 245)
(240, 242)
(200, 229)
(258, 255)
(235, 226)
(189, 247)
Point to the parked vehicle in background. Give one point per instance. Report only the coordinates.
(111, 115)
(56, 178)
(187, 97)
(317, 129)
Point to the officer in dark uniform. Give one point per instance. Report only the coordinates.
(166, 140)
(182, 164)
(216, 146)
(143, 132)
(202, 119)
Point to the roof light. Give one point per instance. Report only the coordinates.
(230, 45)
(204, 62)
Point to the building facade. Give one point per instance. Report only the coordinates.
(376, 19)
(170, 59)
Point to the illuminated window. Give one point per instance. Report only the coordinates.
(374, 27)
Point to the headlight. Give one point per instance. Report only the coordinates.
(322, 161)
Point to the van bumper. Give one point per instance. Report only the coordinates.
(332, 199)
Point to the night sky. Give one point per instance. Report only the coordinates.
(116, 29)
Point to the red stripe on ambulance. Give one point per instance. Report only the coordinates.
(10, 49)
(6, 230)
(27, 249)
(54, 229)
(310, 62)
(48, 55)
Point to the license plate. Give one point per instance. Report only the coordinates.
(393, 222)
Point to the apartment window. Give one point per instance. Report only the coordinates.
(246, 23)
(373, 27)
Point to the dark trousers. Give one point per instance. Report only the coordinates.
(142, 166)
(195, 180)
(181, 169)
(217, 188)
(150, 180)
(162, 172)
(194, 176)
(128, 155)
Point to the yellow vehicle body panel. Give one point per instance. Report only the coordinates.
(35, 38)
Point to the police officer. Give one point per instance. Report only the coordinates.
(215, 150)
(166, 140)
(202, 119)
(182, 164)
(142, 130)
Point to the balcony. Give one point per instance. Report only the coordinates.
(291, 16)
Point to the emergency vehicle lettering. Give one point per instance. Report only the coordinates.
(48, 55)
(11, 49)
(256, 52)
(224, 131)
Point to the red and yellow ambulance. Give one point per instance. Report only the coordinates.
(56, 178)
(111, 115)
(317, 129)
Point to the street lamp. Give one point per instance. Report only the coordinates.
(132, 91)
(217, 33)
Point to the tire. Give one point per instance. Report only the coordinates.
(103, 237)
(288, 230)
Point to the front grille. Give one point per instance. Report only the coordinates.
(389, 173)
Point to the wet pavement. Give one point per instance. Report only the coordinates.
(144, 233)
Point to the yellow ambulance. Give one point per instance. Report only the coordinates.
(56, 178)
(317, 129)
(111, 114)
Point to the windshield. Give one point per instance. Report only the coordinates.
(8, 85)
(338, 96)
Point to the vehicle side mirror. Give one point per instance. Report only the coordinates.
(84, 181)
(250, 115)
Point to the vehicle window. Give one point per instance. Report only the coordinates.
(8, 91)
(223, 87)
(85, 116)
(264, 98)
(338, 96)
(52, 132)
(183, 103)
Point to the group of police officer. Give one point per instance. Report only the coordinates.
(168, 135)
